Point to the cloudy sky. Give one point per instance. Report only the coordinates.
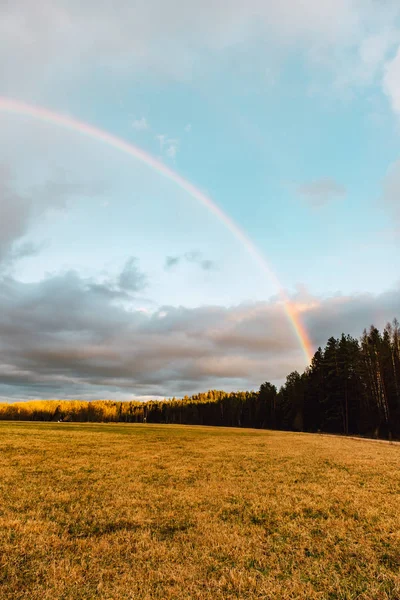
(114, 281)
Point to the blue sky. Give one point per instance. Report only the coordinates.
(287, 116)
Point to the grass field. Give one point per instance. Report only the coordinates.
(169, 512)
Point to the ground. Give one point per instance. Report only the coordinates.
(168, 512)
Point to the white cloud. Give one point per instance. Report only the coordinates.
(391, 82)
(43, 39)
(168, 145)
(373, 49)
(161, 140)
(172, 149)
(321, 191)
(140, 124)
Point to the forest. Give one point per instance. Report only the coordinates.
(352, 387)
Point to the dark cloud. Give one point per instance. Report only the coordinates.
(172, 261)
(207, 265)
(321, 191)
(131, 278)
(16, 213)
(193, 257)
(67, 336)
(20, 210)
(24, 249)
(391, 192)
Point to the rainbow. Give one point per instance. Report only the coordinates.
(48, 116)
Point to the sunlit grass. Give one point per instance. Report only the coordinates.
(168, 512)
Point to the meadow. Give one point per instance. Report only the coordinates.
(124, 511)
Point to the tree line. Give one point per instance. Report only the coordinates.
(352, 387)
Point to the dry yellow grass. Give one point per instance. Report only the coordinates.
(169, 512)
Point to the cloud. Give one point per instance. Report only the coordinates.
(172, 149)
(389, 199)
(194, 257)
(207, 265)
(161, 140)
(172, 261)
(391, 82)
(58, 191)
(197, 258)
(20, 210)
(68, 336)
(168, 145)
(24, 250)
(321, 191)
(374, 49)
(16, 214)
(188, 128)
(131, 278)
(41, 40)
(140, 124)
